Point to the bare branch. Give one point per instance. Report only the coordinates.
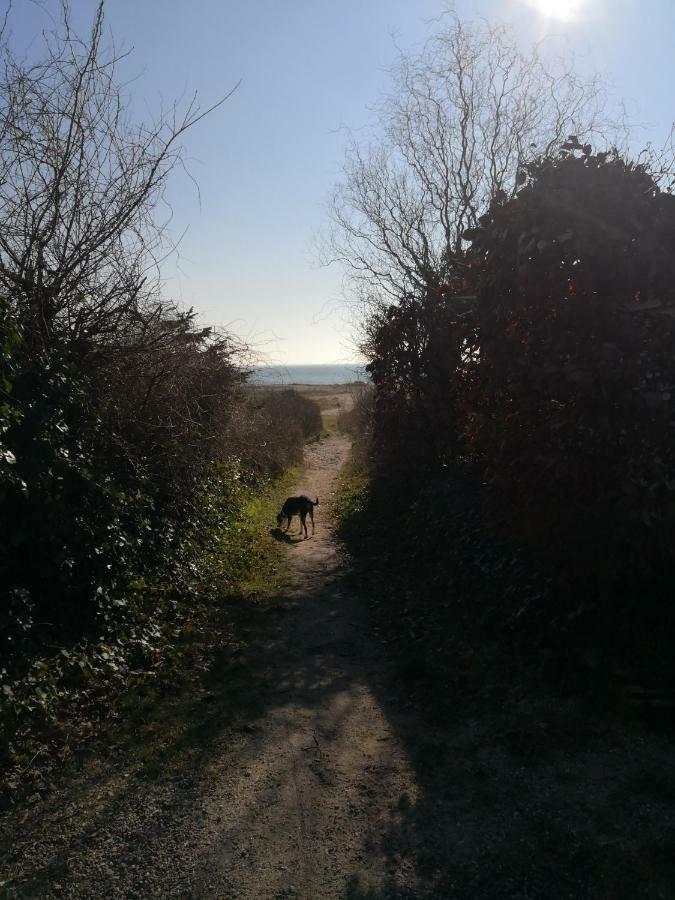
(462, 118)
(80, 184)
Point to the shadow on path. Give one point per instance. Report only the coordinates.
(313, 760)
(285, 538)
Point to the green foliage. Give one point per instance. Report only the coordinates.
(128, 450)
(67, 524)
(163, 623)
(85, 506)
(351, 495)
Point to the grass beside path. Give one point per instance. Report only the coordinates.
(160, 703)
(159, 736)
(164, 728)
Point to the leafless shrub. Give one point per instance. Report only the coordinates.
(172, 402)
(271, 427)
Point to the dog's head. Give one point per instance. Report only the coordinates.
(280, 519)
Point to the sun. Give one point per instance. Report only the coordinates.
(562, 10)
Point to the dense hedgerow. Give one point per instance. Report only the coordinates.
(555, 393)
(549, 360)
(97, 472)
(129, 441)
(576, 372)
(418, 350)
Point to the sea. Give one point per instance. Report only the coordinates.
(310, 374)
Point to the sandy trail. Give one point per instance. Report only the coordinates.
(323, 779)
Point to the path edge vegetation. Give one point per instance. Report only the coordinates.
(134, 452)
(517, 319)
(470, 615)
(84, 693)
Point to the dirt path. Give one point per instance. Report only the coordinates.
(294, 804)
(324, 772)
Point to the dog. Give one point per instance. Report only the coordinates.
(297, 506)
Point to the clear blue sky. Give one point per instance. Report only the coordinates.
(267, 159)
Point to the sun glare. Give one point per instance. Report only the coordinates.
(562, 10)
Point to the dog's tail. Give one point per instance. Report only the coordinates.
(316, 502)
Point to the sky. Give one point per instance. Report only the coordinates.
(308, 70)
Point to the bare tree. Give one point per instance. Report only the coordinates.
(461, 119)
(83, 233)
(80, 183)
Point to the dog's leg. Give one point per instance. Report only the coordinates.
(303, 523)
(311, 515)
(288, 523)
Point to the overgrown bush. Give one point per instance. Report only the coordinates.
(98, 467)
(124, 425)
(114, 402)
(556, 411)
(577, 329)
